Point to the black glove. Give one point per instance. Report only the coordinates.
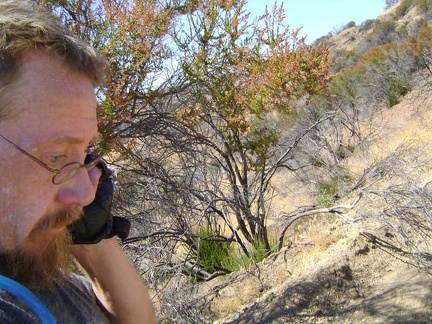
(98, 223)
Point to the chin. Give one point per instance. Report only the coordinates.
(44, 261)
(44, 258)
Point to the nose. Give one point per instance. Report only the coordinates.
(79, 190)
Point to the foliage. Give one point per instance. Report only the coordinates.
(368, 24)
(420, 46)
(345, 84)
(403, 8)
(261, 251)
(384, 32)
(204, 107)
(213, 254)
(398, 88)
(383, 70)
(422, 6)
(330, 189)
(390, 3)
(326, 197)
(136, 58)
(350, 24)
(243, 75)
(193, 113)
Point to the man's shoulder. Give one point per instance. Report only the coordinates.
(71, 302)
(14, 310)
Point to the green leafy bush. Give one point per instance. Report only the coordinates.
(403, 8)
(383, 33)
(344, 150)
(350, 24)
(397, 89)
(345, 84)
(213, 254)
(368, 24)
(330, 189)
(327, 190)
(261, 252)
(388, 68)
(420, 45)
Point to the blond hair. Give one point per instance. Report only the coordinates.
(24, 28)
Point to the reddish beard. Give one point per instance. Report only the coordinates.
(45, 257)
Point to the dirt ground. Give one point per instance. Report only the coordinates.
(353, 280)
(336, 271)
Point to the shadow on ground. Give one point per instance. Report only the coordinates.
(335, 297)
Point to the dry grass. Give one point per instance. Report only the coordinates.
(382, 288)
(324, 248)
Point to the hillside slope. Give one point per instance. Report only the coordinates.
(337, 272)
(352, 281)
(347, 269)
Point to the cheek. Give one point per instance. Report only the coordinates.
(23, 201)
(26, 195)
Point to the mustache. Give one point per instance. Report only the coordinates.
(56, 220)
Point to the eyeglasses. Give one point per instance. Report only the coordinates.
(64, 173)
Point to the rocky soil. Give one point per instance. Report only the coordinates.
(336, 271)
(353, 280)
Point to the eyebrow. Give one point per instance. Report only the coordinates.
(72, 140)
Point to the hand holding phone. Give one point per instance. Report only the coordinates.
(98, 223)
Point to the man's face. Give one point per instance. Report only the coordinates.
(54, 119)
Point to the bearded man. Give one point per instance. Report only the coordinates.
(47, 123)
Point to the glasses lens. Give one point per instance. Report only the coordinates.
(90, 164)
(69, 170)
(66, 172)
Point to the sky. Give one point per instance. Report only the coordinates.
(319, 17)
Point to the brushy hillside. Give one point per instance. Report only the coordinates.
(362, 252)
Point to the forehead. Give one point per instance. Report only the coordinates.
(52, 100)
